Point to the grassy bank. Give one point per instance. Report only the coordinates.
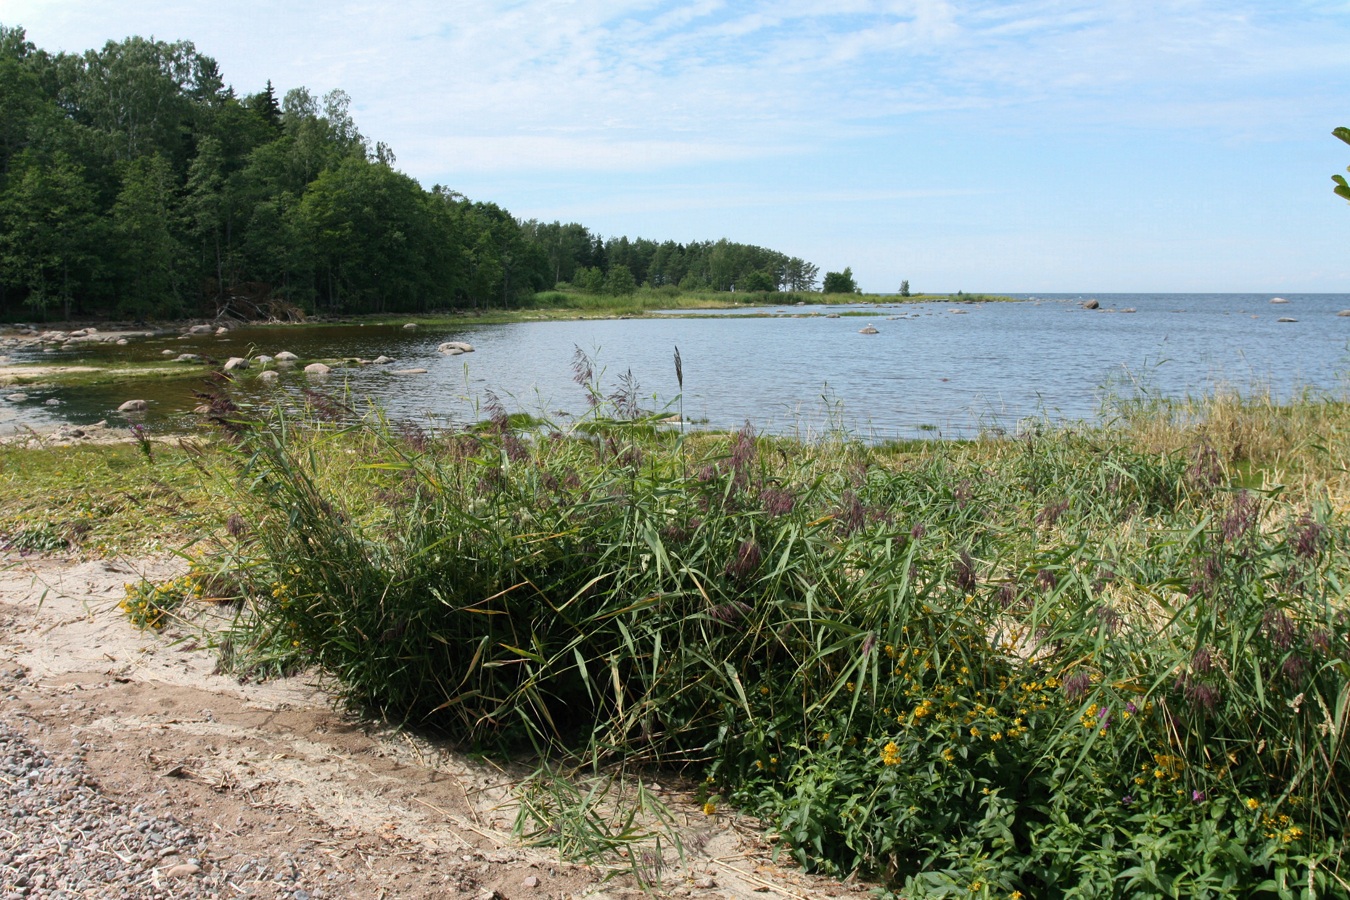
(1105, 661)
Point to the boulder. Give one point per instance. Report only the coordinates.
(1344, 313)
(121, 342)
(16, 398)
(1091, 304)
(1285, 319)
(868, 330)
(235, 362)
(454, 348)
(262, 360)
(222, 330)
(51, 401)
(1278, 300)
(382, 360)
(133, 406)
(167, 353)
(411, 326)
(187, 357)
(200, 329)
(269, 376)
(317, 369)
(286, 356)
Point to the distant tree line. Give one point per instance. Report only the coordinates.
(134, 182)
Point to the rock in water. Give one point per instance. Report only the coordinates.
(868, 330)
(1091, 304)
(316, 369)
(133, 406)
(235, 362)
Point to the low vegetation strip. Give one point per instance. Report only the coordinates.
(1106, 661)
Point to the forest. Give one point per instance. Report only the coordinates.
(135, 183)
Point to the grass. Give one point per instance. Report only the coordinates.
(110, 499)
(1103, 660)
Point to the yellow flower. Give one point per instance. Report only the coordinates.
(996, 736)
(948, 754)
(1253, 803)
(890, 754)
(974, 731)
(709, 808)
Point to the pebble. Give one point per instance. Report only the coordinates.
(58, 834)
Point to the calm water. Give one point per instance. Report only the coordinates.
(937, 368)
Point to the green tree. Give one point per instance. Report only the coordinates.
(51, 232)
(840, 282)
(590, 280)
(620, 282)
(757, 282)
(368, 227)
(904, 288)
(149, 253)
(1342, 188)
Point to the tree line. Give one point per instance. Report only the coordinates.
(135, 182)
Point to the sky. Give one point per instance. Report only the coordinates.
(1023, 146)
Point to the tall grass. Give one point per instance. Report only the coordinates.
(1081, 661)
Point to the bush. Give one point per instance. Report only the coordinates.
(1051, 665)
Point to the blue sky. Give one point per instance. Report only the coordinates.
(1045, 145)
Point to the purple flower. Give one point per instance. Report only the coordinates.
(746, 562)
(1197, 796)
(1127, 800)
(1131, 708)
(777, 502)
(1076, 686)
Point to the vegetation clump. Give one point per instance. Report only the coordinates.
(1067, 662)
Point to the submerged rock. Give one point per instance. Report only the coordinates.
(235, 362)
(286, 356)
(1285, 319)
(268, 376)
(1278, 300)
(454, 348)
(317, 369)
(133, 406)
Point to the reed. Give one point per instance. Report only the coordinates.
(1102, 660)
